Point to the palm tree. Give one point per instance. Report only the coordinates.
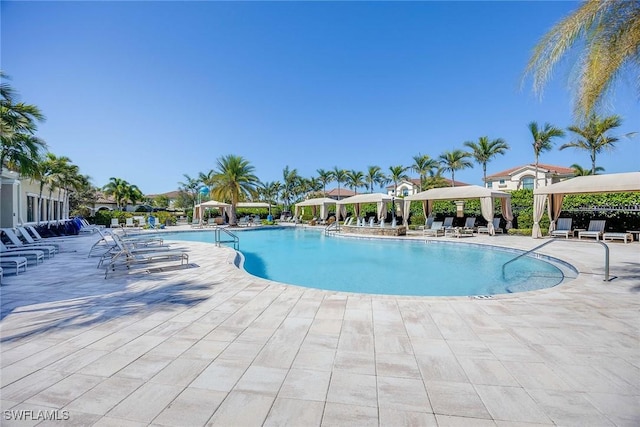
(397, 174)
(543, 140)
(608, 32)
(485, 150)
(269, 192)
(424, 165)
(593, 137)
(207, 179)
(580, 171)
(355, 179)
(19, 147)
(122, 192)
(233, 181)
(190, 188)
(455, 160)
(338, 175)
(290, 180)
(374, 176)
(325, 177)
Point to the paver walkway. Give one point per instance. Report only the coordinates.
(212, 345)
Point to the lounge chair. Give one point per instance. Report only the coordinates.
(436, 229)
(88, 228)
(114, 223)
(16, 262)
(448, 222)
(39, 239)
(128, 222)
(427, 224)
(470, 224)
(372, 222)
(16, 243)
(197, 224)
(127, 258)
(596, 229)
(563, 228)
(617, 236)
(29, 240)
(496, 227)
(31, 254)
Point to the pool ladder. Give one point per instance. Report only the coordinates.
(607, 278)
(228, 238)
(334, 227)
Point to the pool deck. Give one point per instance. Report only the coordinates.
(213, 345)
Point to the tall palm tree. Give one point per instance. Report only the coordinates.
(339, 175)
(207, 179)
(290, 180)
(355, 180)
(455, 160)
(374, 176)
(580, 171)
(190, 188)
(122, 192)
(424, 165)
(485, 150)
(608, 32)
(233, 180)
(593, 137)
(325, 177)
(543, 140)
(397, 174)
(269, 192)
(20, 149)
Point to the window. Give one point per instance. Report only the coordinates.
(405, 192)
(527, 182)
(490, 184)
(30, 208)
(501, 181)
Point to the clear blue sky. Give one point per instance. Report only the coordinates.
(149, 91)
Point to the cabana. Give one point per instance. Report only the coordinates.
(323, 202)
(253, 205)
(380, 199)
(486, 196)
(198, 210)
(554, 194)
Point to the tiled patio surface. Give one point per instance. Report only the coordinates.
(212, 345)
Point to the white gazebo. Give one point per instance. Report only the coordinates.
(486, 196)
(198, 210)
(323, 202)
(380, 199)
(554, 194)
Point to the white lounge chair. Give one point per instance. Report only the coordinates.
(436, 229)
(29, 240)
(31, 254)
(115, 223)
(563, 228)
(17, 262)
(596, 229)
(617, 236)
(127, 258)
(16, 243)
(372, 222)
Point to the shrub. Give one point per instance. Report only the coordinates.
(520, 232)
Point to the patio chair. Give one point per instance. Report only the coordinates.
(127, 258)
(128, 222)
(31, 254)
(470, 223)
(114, 223)
(29, 240)
(17, 262)
(372, 222)
(436, 229)
(563, 228)
(16, 243)
(596, 229)
(496, 227)
(448, 222)
(427, 224)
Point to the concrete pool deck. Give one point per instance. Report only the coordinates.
(212, 345)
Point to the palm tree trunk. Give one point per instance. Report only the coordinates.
(453, 178)
(536, 177)
(484, 173)
(593, 163)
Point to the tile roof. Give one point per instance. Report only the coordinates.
(559, 170)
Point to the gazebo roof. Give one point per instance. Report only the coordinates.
(367, 198)
(458, 193)
(317, 202)
(609, 183)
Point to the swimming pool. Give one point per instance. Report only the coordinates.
(311, 259)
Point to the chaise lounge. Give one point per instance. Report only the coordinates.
(563, 228)
(596, 229)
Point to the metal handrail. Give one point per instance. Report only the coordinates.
(606, 257)
(334, 226)
(234, 238)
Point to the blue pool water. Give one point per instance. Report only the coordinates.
(311, 259)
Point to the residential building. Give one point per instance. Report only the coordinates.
(21, 201)
(524, 177)
(343, 193)
(412, 186)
